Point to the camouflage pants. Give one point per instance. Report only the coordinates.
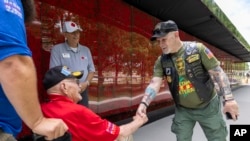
(6, 137)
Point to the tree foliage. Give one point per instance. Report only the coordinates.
(215, 9)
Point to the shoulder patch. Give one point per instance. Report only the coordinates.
(209, 53)
(191, 48)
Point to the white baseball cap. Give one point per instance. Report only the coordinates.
(70, 27)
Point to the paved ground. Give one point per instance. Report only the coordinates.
(160, 129)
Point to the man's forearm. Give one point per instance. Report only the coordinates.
(90, 76)
(19, 82)
(130, 128)
(220, 77)
(87, 82)
(151, 90)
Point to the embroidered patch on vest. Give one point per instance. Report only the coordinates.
(193, 58)
(168, 71)
(169, 80)
(185, 88)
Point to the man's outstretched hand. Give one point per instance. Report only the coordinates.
(141, 110)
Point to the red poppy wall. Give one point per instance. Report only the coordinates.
(118, 36)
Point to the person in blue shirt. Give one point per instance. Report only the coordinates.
(18, 82)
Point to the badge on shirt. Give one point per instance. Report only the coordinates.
(193, 58)
(169, 79)
(65, 55)
(168, 71)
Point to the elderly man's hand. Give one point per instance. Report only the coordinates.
(143, 118)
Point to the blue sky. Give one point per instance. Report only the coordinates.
(238, 11)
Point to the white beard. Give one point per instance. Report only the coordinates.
(167, 51)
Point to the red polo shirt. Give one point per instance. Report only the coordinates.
(84, 124)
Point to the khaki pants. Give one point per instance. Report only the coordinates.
(6, 137)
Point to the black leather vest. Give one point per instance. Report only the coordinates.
(195, 72)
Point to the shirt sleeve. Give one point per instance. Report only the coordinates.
(209, 61)
(54, 57)
(91, 66)
(95, 128)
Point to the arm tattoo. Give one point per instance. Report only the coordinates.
(150, 95)
(220, 77)
(151, 92)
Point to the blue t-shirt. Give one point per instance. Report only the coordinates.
(12, 42)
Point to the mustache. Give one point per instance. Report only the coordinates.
(29, 10)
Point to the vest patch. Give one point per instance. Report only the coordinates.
(185, 88)
(180, 66)
(193, 58)
(186, 74)
(168, 71)
(169, 79)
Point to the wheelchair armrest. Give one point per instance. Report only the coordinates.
(65, 137)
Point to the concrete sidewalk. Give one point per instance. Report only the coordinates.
(160, 129)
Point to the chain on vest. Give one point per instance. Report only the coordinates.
(195, 71)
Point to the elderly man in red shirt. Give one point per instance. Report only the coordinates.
(63, 90)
